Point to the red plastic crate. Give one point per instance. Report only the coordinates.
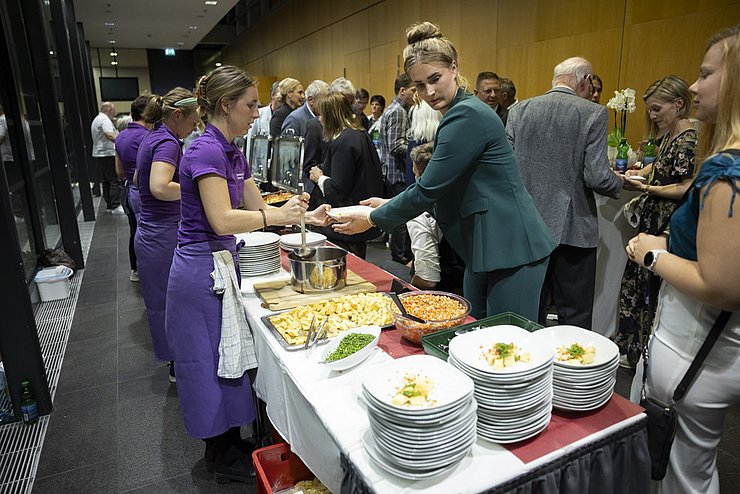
(277, 468)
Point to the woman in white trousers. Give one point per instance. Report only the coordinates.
(699, 261)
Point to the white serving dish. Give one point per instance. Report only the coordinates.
(358, 356)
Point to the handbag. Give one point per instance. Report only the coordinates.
(662, 419)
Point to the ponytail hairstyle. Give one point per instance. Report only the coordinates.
(226, 83)
(286, 86)
(160, 108)
(427, 45)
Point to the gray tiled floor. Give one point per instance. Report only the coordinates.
(117, 425)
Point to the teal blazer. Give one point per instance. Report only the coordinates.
(475, 190)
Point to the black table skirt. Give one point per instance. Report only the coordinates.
(616, 464)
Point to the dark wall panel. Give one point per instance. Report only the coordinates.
(168, 72)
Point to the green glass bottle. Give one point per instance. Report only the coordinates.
(29, 410)
(622, 156)
(649, 155)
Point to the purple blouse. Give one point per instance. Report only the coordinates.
(160, 144)
(127, 147)
(211, 153)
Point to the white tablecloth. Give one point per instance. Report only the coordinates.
(614, 232)
(318, 413)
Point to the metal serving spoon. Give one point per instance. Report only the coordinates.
(304, 252)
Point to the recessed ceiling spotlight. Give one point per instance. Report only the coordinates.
(111, 42)
(113, 54)
(192, 28)
(211, 2)
(180, 43)
(218, 64)
(110, 24)
(51, 52)
(114, 62)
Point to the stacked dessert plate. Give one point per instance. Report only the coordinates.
(579, 386)
(514, 399)
(260, 254)
(292, 241)
(432, 434)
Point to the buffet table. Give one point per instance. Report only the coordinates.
(318, 413)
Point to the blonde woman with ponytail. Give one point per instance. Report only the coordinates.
(473, 185)
(219, 199)
(173, 116)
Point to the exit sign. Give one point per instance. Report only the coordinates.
(169, 52)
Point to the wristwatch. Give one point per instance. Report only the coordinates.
(651, 258)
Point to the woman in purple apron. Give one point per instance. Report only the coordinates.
(215, 181)
(127, 147)
(174, 116)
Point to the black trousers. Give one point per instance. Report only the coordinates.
(569, 282)
(111, 183)
(400, 241)
(131, 227)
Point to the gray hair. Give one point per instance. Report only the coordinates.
(571, 71)
(508, 87)
(317, 89)
(343, 86)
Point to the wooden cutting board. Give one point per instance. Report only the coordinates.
(279, 294)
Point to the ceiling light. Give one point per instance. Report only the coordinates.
(110, 24)
(192, 28)
(218, 64)
(51, 52)
(211, 2)
(111, 42)
(114, 62)
(113, 54)
(180, 43)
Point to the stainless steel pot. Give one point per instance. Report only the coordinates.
(324, 271)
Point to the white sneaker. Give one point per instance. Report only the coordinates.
(134, 276)
(118, 210)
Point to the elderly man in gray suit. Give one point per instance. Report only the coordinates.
(302, 122)
(560, 141)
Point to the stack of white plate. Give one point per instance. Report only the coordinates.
(417, 442)
(260, 254)
(514, 403)
(579, 387)
(292, 241)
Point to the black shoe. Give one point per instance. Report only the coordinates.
(171, 368)
(233, 465)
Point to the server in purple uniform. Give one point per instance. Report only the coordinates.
(127, 147)
(215, 182)
(174, 116)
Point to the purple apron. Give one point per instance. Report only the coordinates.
(210, 404)
(134, 201)
(155, 244)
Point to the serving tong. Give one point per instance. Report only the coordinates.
(400, 306)
(317, 334)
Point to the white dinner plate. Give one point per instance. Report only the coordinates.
(340, 213)
(556, 336)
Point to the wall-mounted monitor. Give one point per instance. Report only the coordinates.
(119, 88)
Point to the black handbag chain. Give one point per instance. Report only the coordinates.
(693, 369)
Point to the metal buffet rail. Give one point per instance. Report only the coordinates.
(318, 413)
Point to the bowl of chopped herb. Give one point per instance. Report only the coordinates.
(351, 348)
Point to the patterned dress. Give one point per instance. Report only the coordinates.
(639, 293)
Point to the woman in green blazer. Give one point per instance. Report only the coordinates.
(473, 187)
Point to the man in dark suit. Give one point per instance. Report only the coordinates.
(487, 88)
(303, 122)
(560, 142)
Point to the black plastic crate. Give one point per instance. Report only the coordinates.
(438, 343)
